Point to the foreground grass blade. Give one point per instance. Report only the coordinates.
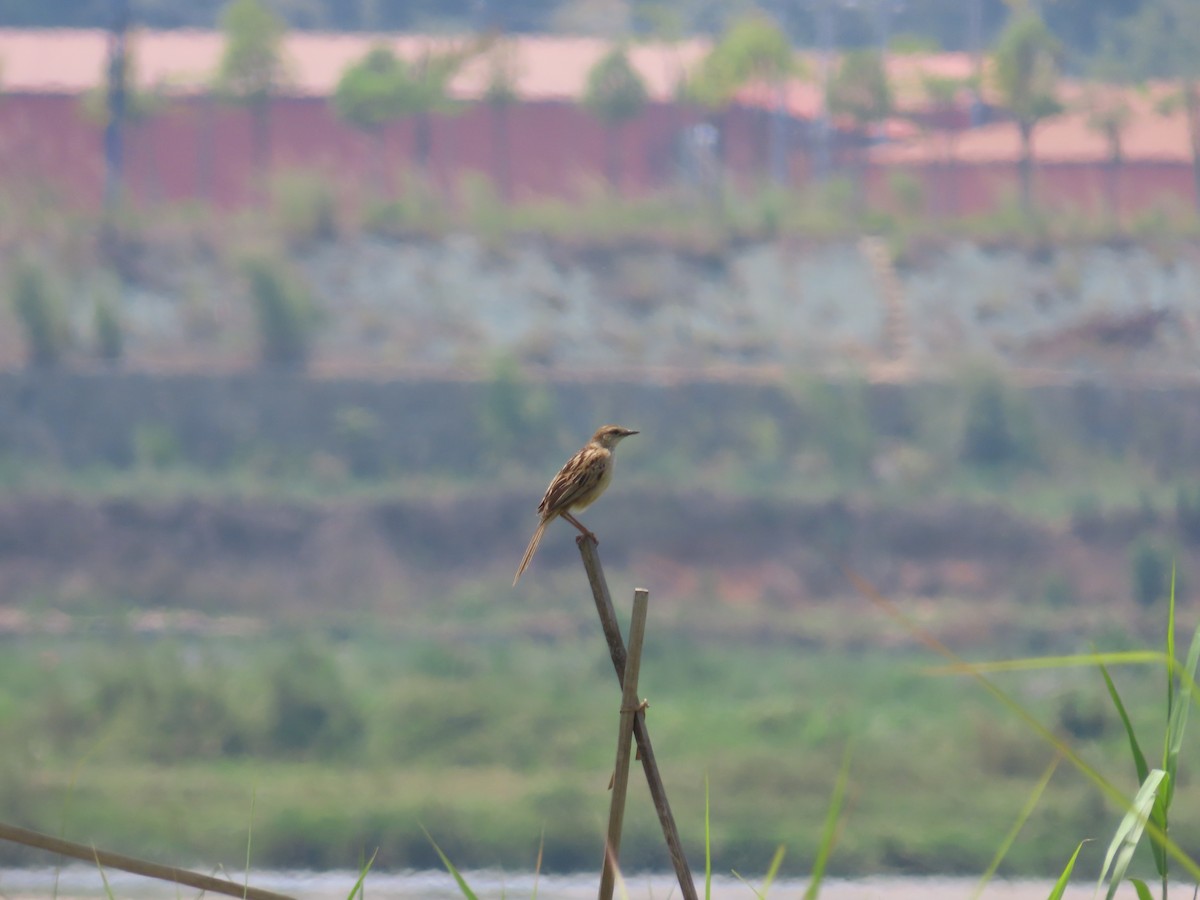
(772, 871)
(250, 837)
(104, 877)
(707, 846)
(1041, 663)
(1060, 886)
(1143, 891)
(1171, 644)
(362, 876)
(1009, 839)
(773, 868)
(1158, 815)
(1139, 758)
(537, 868)
(829, 832)
(958, 664)
(1179, 715)
(1129, 833)
(462, 884)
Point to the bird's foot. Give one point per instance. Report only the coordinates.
(588, 536)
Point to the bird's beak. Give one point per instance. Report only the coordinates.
(628, 433)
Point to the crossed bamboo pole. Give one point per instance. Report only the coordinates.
(658, 791)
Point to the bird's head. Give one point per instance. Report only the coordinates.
(609, 436)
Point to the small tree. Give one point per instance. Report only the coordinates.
(1160, 42)
(500, 95)
(140, 106)
(859, 90)
(753, 51)
(382, 88)
(371, 94)
(1026, 73)
(1109, 114)
(943, 95)
(252, 66)
(615, 94)
(428, 91)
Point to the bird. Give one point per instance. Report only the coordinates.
(577, 486)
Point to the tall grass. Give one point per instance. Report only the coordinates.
(1147, 811)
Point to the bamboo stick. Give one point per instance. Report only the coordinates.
(629, 710)
(111, 860)
(616, 649)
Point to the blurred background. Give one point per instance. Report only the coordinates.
(305, 302)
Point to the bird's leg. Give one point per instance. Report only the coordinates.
(583, 531)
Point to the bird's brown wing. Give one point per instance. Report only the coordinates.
(576, 480)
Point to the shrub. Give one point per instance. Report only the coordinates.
(40, 312)
(1058, 592)
(304, 205)
(312, 713)
(1187, 512)
(284, 311)
(358, 434)
(1151, 572)
(110, 340)
(998, 428)
(838, 421)
(909, 194)
(155, 446)
(512, 410)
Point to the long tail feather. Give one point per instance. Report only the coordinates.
(531, 549)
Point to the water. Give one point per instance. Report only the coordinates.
(80, 881)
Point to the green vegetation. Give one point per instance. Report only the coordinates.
(284, 312)
(304, 206)
(110, 342)
(998, 429)
(859, 89)
(252, 66)
(1026, 74)
(382, 88)
(615, 95)
(1151, 572)
(39, 309)
(354, 741)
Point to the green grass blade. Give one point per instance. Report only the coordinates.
(1171, 645)
(1041, 663)
(738, 875)
(1060, 886)
(1139, 758)
(772, 871)
(1158, 818)
(707, 846)
(1035, 797)
(829, 831)
(773, 868)
(1143, 891)
(1179, 715)
(1129, 833)
(462, 884)
(104, 877)
(363, 869)
(249, 839)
